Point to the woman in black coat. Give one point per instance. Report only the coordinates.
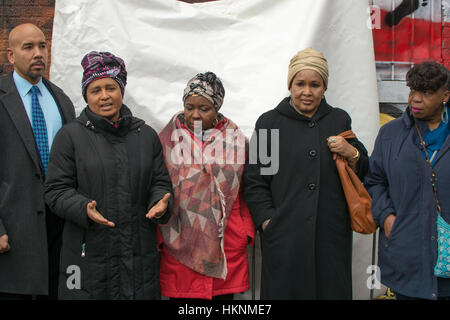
(108, 180)
(296, 200)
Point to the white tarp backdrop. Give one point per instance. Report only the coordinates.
(247, 43)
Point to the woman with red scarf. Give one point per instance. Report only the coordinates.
(203, 246)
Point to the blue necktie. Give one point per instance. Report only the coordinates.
(39, 127)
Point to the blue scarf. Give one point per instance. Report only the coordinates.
(436, 138)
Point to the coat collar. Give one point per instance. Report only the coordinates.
(409, 121)
(286, 109)
(95, 122)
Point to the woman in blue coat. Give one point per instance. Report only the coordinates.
(399, 181)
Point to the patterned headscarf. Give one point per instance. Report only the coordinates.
(308, 59)
(98, 65)
(207, 85)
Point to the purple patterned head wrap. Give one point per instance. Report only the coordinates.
(97, 65)
(207, 85)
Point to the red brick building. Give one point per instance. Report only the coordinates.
(14, 12)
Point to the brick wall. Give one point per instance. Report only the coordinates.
(15, 12)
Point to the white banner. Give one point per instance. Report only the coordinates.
(247, 43)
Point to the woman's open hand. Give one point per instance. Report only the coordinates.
(4, 244)
(96, 216)
(159, 208)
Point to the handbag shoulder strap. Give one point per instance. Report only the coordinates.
(433, 174)
(347, 134)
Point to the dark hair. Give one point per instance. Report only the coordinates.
(427, 76)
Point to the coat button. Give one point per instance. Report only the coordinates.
(312, 153)
(311, 124)
(40, 212)
(37, 175)
(312, 186)
(432, 238)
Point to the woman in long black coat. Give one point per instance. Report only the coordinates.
(296, 200)
(108, 180)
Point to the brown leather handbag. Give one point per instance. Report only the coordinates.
(358, 199)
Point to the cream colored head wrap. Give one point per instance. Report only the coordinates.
(308, 59)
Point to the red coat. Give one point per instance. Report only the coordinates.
(178, 281)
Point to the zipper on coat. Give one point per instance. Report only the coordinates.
(83, 246)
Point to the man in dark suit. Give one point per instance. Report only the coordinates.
(32, 110)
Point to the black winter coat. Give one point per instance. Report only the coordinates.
(123, 170)
(307, 246)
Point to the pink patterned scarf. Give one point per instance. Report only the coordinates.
(206, 178)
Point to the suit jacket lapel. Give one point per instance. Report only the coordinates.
(64, 105)
(14, 105)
